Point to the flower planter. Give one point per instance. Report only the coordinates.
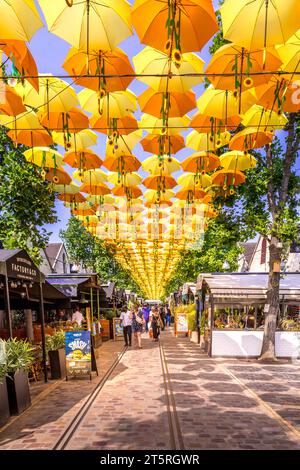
(4, 403)
(18, 392)
(57, 361)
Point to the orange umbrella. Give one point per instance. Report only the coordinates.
(158, 202)
(73, 121)
(34, 138)
(207, 124)
(250, 138)
(57, 176)
(114, 63)
(83, 212)
(228, 178)
(123, 126)
(95, 189)
(10, 102)
(183, 18)
(22, 59)
(122, 164)
(85, 159)
(131, 192)
(201, 161)
(177, 104)
(160, 182)
(190, 194)
(26, 129)
(72, 198)
(163, 144)
(278, 95)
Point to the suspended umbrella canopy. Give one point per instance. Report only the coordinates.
(201, 162)
(22, 59)
(89, 24)
(83, 159)
(237, 160)
(154, 125)
(122, 144)
(100, 63)
(250, 138)
(161, 165)
(57, 176)
(73, 121)
(228, 178)
(44, 157)
(78, 141)
(91, 176)
(20, 19)
(26, 129)
(158, 201)
(278, 95)
(131, 192)
(148, 17)
(224, 104)
(152, 62)
(122, 164)
(111, 105)
(200, 141)
(11, 103)
(71, 189)
(190, 194)
(54, 95)
(129, 179)
(214, 126)
(260, 23)
(163, 144)
(99, 189)
(159, 182)
(176, 104)
(244, 69)
(72, 198)
(82, 206)
(290, 56)
(151, 195)
(120, 126)
(265, 120)
(101, 201)
(192, 181)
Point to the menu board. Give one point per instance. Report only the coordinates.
(118, 329)
(78, 353)
(181, 323)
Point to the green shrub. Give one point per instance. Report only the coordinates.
(55, 341)
(19, 355)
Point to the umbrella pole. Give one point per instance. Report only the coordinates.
(88, 34)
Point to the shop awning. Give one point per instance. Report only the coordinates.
(68, 285)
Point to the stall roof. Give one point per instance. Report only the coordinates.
(109, 289)
(250, 285)
(7, 254)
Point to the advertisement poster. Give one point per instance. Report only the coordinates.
(118, 329)
(182, 326)
(78, 353)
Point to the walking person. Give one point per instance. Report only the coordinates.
(168, 316)
(126, 321)
(146, 314)
(162, 317)
(155, 323)
(137, 325)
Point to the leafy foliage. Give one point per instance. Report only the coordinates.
(56, 341)
(19, 355)
(26, 203)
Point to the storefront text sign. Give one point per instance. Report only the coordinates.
(78, 353)
(21, 267)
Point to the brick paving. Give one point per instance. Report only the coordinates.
(220, 404)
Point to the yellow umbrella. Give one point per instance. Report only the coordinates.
(192, 180)
(152, 62)
(78, 141)
(112, 105)
(89, 24)
(54, 95)
(128, 179)
(290, 56)
(151, 194)
(236, 62)
(26, 129)
(260, 23)
(19, 19)
(205, 142)
(111, 126)
(93, 177)
(263, 119)
(44, 157)
(148, 16)
(161, 165)
(71, 188)
(223, 104)
(237, 160)
(250, 138)
(123, 144)
(155, 125)
(176, 104)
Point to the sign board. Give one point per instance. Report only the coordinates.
(78, 353)
(118, 329)
(181, 323)
(22, 267)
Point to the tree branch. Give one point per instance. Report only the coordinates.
(270, 191)
(293, 142)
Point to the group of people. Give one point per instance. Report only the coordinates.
(136, 320)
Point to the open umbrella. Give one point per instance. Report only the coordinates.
(200, 141)
(228, 178)
(190, 195)
(112, 105)
(277, 95)
(162, 144)
(192, 181)
(176, 104)
(19, 19)
(78, 141)
(290, 56)
(258, 24)
(91, 176)
(161, 165)
(263, 119)
(122, 164)
(44, 157)
(159, 182)
(201, 161)
(22, 59)
(171, 76)
(10, 102)
(114, 63)
(128, 179)
(122, 144)
(154, 125)
(131, 192)
(213, 125)
(224, 104)
(73, 121)
(120, 126)
(174, 22)
(57, 176)
(250, 138)
(26, 129)
(83, 159)
(237, 160)
(99, 189)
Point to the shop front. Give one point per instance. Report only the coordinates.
(232, 313)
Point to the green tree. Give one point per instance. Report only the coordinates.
(26, 201)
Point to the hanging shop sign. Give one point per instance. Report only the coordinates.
(118, 329)
(22, 267)
(78, 353)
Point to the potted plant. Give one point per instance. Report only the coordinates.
(192, 325)
(4, 404)
(19, 356)
(55, 345)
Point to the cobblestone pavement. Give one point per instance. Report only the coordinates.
(220, 404)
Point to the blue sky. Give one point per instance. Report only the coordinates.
(50, 52)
